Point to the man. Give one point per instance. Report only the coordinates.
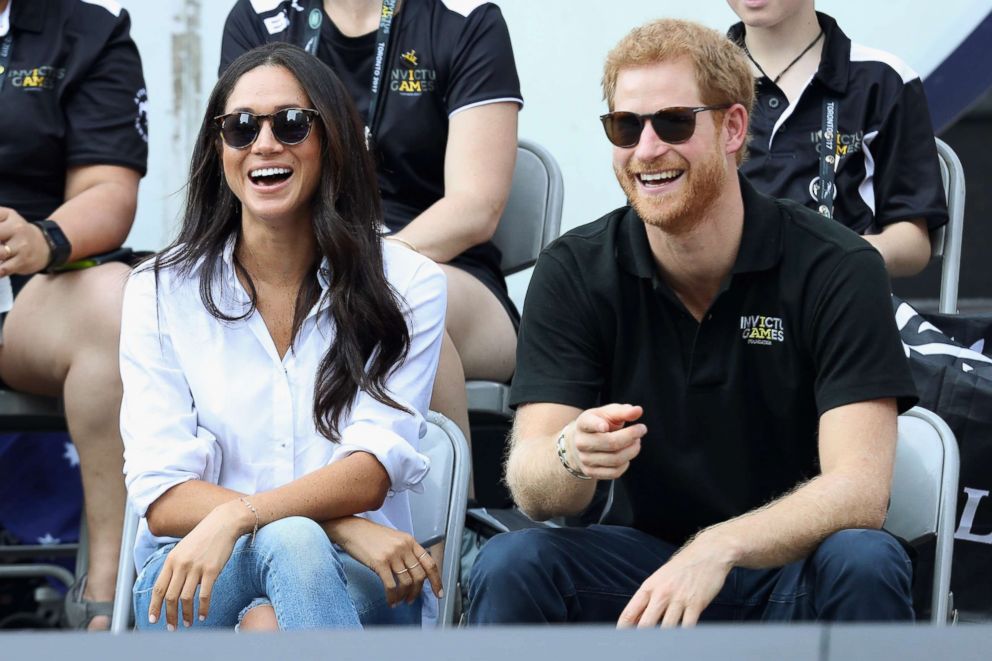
(732, 359)
(886, 176)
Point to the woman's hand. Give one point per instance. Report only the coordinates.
(23, 248)
(197, 560)
(395, 556)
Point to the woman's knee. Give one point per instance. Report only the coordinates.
(258, 617)
(295, 537)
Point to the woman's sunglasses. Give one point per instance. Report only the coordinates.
(673, 125)
(290, 126)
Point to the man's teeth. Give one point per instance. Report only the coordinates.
(268, 172)
(660, 176)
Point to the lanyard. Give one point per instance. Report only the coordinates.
(5, 48)
(828, 158)
(382, 42)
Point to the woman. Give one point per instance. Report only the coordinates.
(73, 147)
(884, 181)
(443, 131)
(277, 362)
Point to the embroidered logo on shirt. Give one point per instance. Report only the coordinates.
(36, 78)
(412, 79)
(141, 119)
(276, 24)
(759, 329)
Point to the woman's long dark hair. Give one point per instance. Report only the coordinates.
(371, 335)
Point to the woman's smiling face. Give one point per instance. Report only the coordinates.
(274, 182)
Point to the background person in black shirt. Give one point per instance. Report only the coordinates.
(73, 146)
(445, 138)
(887, 176)
(731, 358)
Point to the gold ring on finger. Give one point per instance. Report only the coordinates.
(415, 565)
(423, 554)
(402, 571)
(7, 251)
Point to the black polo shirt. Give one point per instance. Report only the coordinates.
(888, 169)
(804, 325)
(445, 57)
(73, 95)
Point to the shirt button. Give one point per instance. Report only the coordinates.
(773, 102)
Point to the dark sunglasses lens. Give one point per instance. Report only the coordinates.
(291, 126)
(623, 128)
(239, 130)
(674, 125)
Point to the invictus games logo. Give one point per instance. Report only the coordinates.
(759, 329)
(412, 79)
(36, 78)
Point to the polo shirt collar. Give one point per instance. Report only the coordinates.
(761, 240)
(835, 61)
(27, 15)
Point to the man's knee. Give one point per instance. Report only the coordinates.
(865, 559)
(512, 558)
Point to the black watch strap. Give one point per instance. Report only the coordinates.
(57, 243)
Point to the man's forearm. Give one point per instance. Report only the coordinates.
(540, 485)
(791, 527)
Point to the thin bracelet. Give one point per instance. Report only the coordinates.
(563, 457)
(393, 237)
(254, 511)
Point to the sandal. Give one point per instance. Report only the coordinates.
(80, 612)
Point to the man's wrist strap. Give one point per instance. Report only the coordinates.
(563, 457)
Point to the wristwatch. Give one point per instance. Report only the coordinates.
(57, 243)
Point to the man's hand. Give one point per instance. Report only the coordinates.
(23, 248)
(683, 587)
(603, 446)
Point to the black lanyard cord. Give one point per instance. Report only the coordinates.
(5, 48)
(379, 64)
(828, 157)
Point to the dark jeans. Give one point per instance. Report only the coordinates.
(589, 574)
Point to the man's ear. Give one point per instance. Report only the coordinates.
(735, 124)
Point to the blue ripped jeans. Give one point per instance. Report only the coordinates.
(294, 567)
(589, 574)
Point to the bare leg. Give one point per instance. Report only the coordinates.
(260, 618)
(62, 338)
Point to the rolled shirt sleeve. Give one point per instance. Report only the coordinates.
(393, 436)
(163, 446)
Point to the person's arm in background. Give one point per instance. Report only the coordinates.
(904, 245)
(478, 169)
(908, 191)
(96, 217)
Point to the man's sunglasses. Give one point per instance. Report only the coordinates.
(290, 126)
(673, 125)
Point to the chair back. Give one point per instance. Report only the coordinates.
(945, 242)
(439, 510)
(532, 218)
(924, 494)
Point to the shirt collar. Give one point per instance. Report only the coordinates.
(27, 15)
(761, 239)
(836, 57)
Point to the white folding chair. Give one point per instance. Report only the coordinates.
(531, 220)
(924, 496)
(946, 241)
(438, 515)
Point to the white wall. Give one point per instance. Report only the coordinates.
(559, 47)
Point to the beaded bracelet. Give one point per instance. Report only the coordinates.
(254, 511)
(563, 457)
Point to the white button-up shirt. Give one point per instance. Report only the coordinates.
(206, 399)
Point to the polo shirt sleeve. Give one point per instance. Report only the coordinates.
(482, 67)
(243, 31)
(856, 349)
(559, 350)
(907, 181)
(106, 115)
